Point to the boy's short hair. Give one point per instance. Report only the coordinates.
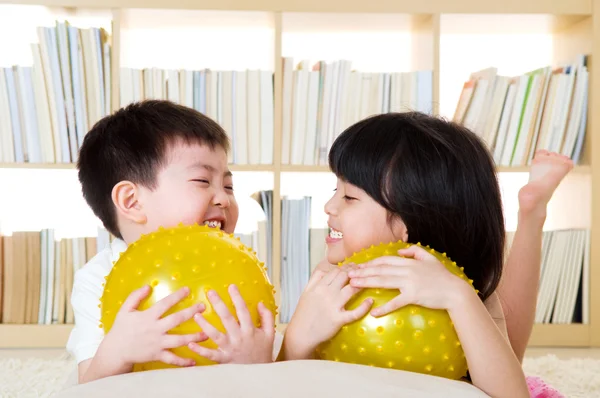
(131, 145)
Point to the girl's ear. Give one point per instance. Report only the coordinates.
(125, 196)
(399, 229)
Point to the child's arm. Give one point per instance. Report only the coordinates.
(141, 336)
(424, 281)
(242, 342)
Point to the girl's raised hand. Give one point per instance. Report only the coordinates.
(320, 312)
(420, 277)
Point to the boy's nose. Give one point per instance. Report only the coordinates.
(221, 200)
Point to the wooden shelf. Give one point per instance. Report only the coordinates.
(72, 166)
(520, 169)
(34, 336)
(571, 7)
(569, 335)
(56, 336)
(576, 30)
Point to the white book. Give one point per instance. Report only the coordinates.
(51, 92)
(126, 80)
(559, 129)
(42, 108)
(310, 149)
(62, 38)
(266, 129)
(300, 103)
(288, 93)
(240, 131)
(7, 153)
(540, 113)
(527, 123)
(513, 128)
(325, 113)
(505, 118)
(492, 123)
(173, 85)
(253, 103)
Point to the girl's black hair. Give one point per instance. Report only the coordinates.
(439, 178)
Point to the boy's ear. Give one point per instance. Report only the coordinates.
(125, 196)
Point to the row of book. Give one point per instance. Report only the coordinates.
(240, 101)
(543, 109)
(563, 290)
(37, 270)
(319, 102)
(47, 108)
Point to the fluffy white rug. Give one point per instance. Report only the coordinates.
(41, 378)
(572, 377)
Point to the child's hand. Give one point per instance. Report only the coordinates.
(320, 312)
(141, 336)
(243, 343)
(421, 278)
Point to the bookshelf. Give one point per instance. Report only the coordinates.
(429, 28)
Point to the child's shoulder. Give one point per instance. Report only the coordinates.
(100, 265)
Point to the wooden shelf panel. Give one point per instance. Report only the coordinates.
(34, 336)
(56, 336)
(520, 169)
(71, 166)
(573, 7)
(271, 168)
(570, 335)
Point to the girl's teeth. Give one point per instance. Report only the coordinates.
(335, 234)
(213, 224)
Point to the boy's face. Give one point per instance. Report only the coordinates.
(195, 186)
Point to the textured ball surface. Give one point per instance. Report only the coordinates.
(199, 257)
(412, 338)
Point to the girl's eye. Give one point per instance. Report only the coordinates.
(348, 198)
(229, 187)
(203, 181)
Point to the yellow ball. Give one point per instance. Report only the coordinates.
(199, 257)
(412, 338)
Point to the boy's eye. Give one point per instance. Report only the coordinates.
(229, 187)
(201, 180)
(348, 198)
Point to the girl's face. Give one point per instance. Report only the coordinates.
(356, 221)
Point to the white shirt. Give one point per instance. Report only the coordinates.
(87, 334)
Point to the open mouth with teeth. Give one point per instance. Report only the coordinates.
(213, 224)
(335, 234)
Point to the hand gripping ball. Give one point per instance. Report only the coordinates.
(412, 338)
(199, 257)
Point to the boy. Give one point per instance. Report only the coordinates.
(148, 165)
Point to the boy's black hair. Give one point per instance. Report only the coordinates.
(439, 178)
(132, 144)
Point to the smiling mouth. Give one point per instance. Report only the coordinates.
(334, 236)
(213, 224)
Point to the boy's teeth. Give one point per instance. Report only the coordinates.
(213, 224)
(335, 234)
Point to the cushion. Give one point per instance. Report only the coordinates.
(291, 379)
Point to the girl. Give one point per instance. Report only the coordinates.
(419, 179)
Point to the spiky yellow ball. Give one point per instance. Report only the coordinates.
(198, 257)
(412, 338)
